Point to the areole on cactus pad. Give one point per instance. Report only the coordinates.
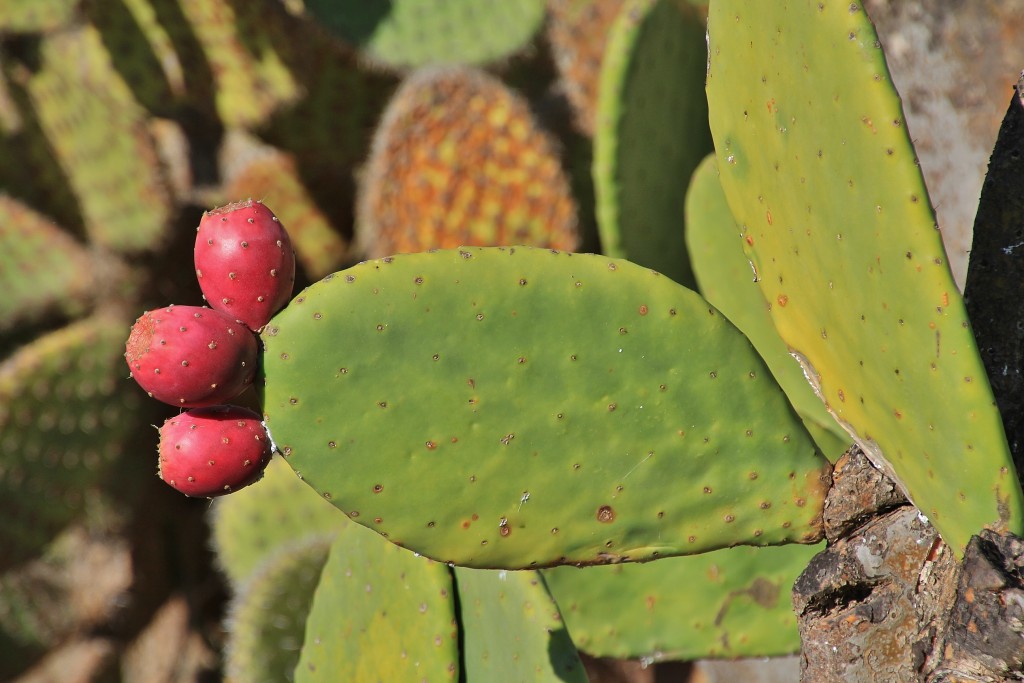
(515, 407)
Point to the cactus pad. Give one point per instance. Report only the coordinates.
(727, 282)
(267, 616)
(100, 139)
(253, 523)
(380, 613)
(64, 419)
(43, 270)
(564, 408)
(274, 178)
(577, 31)
(459, 159)
(410, 33)
(733, 602)
(819, 169)
(652, 132)
(512, 630)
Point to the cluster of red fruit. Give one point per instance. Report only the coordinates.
(196, 357)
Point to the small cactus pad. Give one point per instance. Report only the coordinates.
(564, 408)
(43, 270)
(410, 33)
(577, 31)
(458, 159)
(98, 134)
(733, 602)
(380, 613)
(726, 280)
(652, 131)
(512, 631)
(819, 169)
(244, 261)
(252, 523)
(33, 16)
(190, 356)
(63, 422)
(207, 452)
(267, 616)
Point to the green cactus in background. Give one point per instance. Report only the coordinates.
(409, 33)
(651, 132)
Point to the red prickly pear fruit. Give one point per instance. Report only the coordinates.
(211, 451)
(244, 262)
(190, 356)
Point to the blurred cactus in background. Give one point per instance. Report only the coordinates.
(376, 129)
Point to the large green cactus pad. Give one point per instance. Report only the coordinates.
(512, 631)
(818, 168)
(726, 280)
(380, 613)
(255, 522)
(652, 131)
(732, 602)
(515, 407)
(409, 33)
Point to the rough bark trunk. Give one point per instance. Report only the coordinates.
(888, 603)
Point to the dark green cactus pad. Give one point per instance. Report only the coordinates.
(409, 33)
(380, 613)
(515, 407)
(267, 617)
(43, 270)
(64, 419)
(254, 522)
(733, 602)
(726, 280)
(460, 159)
(818, 167)
(652, 131)
(512, 631)
(98, 134)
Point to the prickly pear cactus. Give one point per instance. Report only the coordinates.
(818, 168)
(62, 385)
(651, 133)
(567, 408)
(380, 613)
(460, 160)
(410, 33)
(732, 602)
(726, 280)
(253, 523)
(98, 136)
(275, 179)
(577, 31)
(512, 630)
(43, 270)
(267, 616)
